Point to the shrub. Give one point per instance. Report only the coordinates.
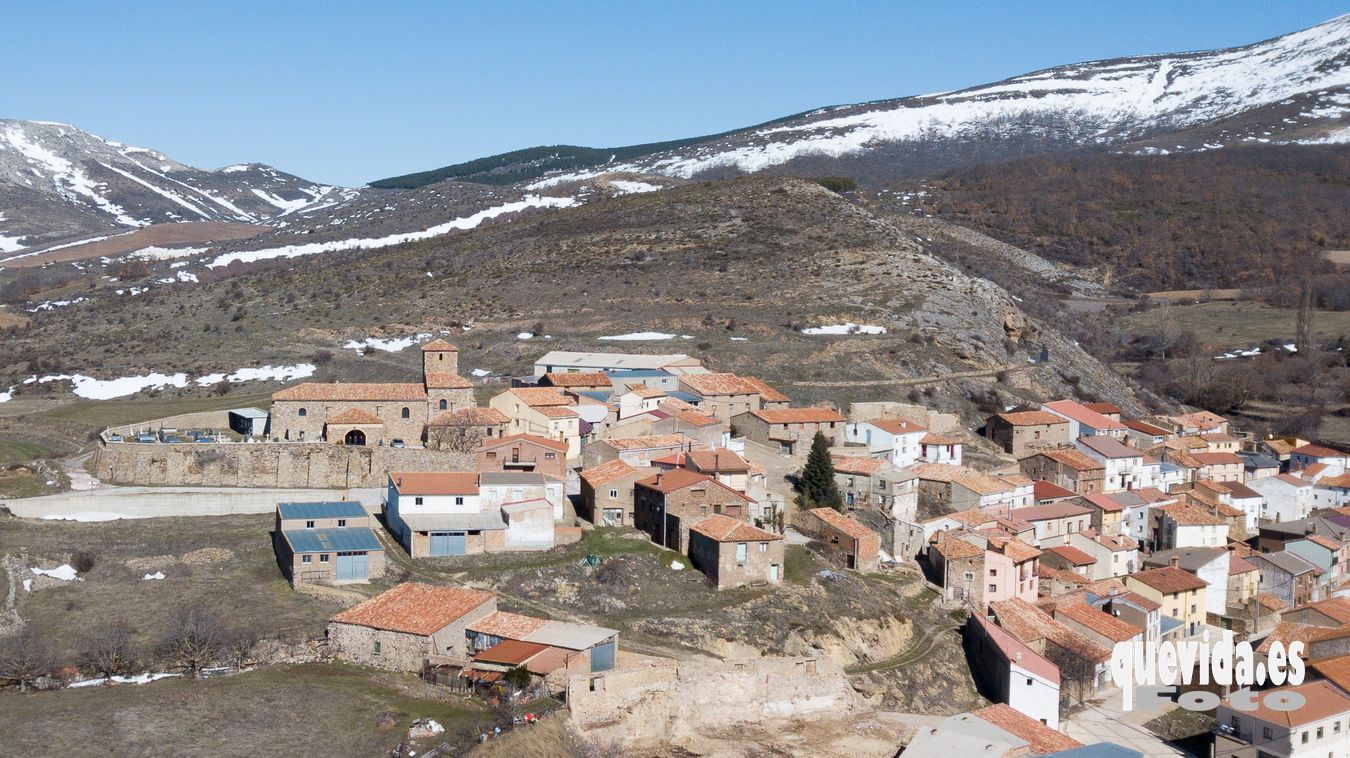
(83, 561)
(838, 184)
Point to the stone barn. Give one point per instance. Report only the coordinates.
(401, 629)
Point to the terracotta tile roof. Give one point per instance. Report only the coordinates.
(718, 384)
(937, 439)
(1186, 514)
(1238, 490)
(1154, 495)
(727, 529)
(470, 417)
(1104, 502)
(954, 548)
(1321, 701)
(349, 392)
(415, 608)
(597, 476)
(554, 411)
(983, 484)
(535, 439)
(1015, 549)
(1029, 624)
(842, 523)
(1104, 624)
(798, 415)
(1325, 542)
(510, 626)
(1017, 479)
(354, 416)
(1201, 420)
(857, 464)
(720, 460)
(1031, 418)
(536, 397)
(1318, 451)
(1063, 509)
(766, 393)
(1146, 428)
(1082, 414)
(896, 426)
(940, 472)
(1287, 479)
(1169, 580)
(1072, 554)
(1334, 670)
(1134, 598)
(510, 652)
(650, 442)
(1337, 609)
(1217, 459)
(439, 345)
(579, 379)
(446, 380)
(1073, 459)
(1016, 652)
(644, 392)
(1238, 565)
(1116, 542)
(1043, 490)
(435, 482)
(696, 418)
(680, 478)
(1106, 409)
(972, 517)
(1040, 738)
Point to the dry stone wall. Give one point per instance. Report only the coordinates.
(265, 464)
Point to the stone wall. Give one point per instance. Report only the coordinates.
(938, 423)
(667, 703)
(305, 465)
(397, 651)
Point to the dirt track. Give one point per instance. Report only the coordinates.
(158, 234)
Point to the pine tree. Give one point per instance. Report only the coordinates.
(817, 486)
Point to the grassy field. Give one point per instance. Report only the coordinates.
(1226, 325)
(20, 477)
(245, 589)
(296, 710)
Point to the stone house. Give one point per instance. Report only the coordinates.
(1180, 593)
(402, 628)
(372, 414)
(1219, 467)
(724, 465)
(1287, 576)
(768, 396)
(791, 430)
(667, 504)
(723, 396)
(1186, 525)
(637, 451)
(607, 492)
(1022, 432)
(867, 482)
(732, 553)
(1199, 422)
(330, 542)
(1083, 421)
(577, 381)
(705, 430)
(1143, 435)
(465, 429)
(852, 544)
(1055, 519)
(1069, 469)
(529, 453)
(544, 412)
(958, 565)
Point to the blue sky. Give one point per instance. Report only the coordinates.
(349, 92)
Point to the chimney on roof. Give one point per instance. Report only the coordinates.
(1111, 591)
(1174, 561)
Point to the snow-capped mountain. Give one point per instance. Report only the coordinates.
(57, 182)
(1294, 88)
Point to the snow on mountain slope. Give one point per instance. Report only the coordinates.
(1304, 75)
(57, 181)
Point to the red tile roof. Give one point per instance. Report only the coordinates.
(842, 523)
(1048, 511)
(415, 608)
(339, 392)
(1031, 418)
(1015, 651)
(1029, 624)
(1238, 565)
(680, 478)
(470, 417)
(1217, 459)
(446, 380)
(1082, 414)
(727, 529)
(1169, 580)
(1109, 447)
(510, 652)
(650, 442)
(1072, 554)
(857, 464)
(579, 379)
(534, 439)
(1336, 608)
(1334, 670)
(1321, 700)
(896, 426)
(954, 548)
(439, 345)
(598, 476)
(1102, 623)
(1073, 459)
(1043, 490)
(1147, 428)
(766, 393)
(720, 460)
(1318, 451)
(1040, 738)
(1186, 514)
(435, 482)
(536, 397)
(718, 384)
(509, 626)
(354, 416)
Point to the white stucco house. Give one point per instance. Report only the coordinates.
(1286, 497)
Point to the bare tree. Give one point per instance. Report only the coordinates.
(25, 658)
(455, 438)
(239, 644)
(108, 651)
(1303, 331)
(194, 639)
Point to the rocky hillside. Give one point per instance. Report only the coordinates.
(732, 271)
(58, 182)
(1291, 89)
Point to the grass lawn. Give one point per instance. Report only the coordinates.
(312, 709)
(1226, 325)
(799, 565)
(244, 589)
(17, 475)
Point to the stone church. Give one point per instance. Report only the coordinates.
(371, 413)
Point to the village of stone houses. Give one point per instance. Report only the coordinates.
(636, 553)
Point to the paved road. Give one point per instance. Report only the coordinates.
(1106, 722)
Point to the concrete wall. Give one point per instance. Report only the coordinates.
(147, 502)
(310, 464)
(648, 706)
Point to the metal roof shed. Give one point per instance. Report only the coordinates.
(332, 540)
(565, 634)
(330, 509)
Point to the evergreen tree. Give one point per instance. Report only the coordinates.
(817, 486)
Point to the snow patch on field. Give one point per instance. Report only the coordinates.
(638, 337)
(466, 222)
(259, 374)
(65, 572)
(158, 575)
(480, 372)
(628, 188)
(157, 253)
(845, 328)
(107, 389)
(47, 305)
(388, 346)
(119, 679)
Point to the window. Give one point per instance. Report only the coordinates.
(740, 552)
(549, 456)
(492, 455)
(406, 413)
(309, 524)
(1029, 681)
(763, 547)
(613, 494)
(305, 558)
(443, 405)
(323, 558)
(993, 588)
(1304, 738)
(377, 647)
(1236, 723)
(1266, 734)
(302, 413)
(993, 572)
(417, 501)
(459, 501)
(342, 522)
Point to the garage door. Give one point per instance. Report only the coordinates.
(352, 567)
(447, 543)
